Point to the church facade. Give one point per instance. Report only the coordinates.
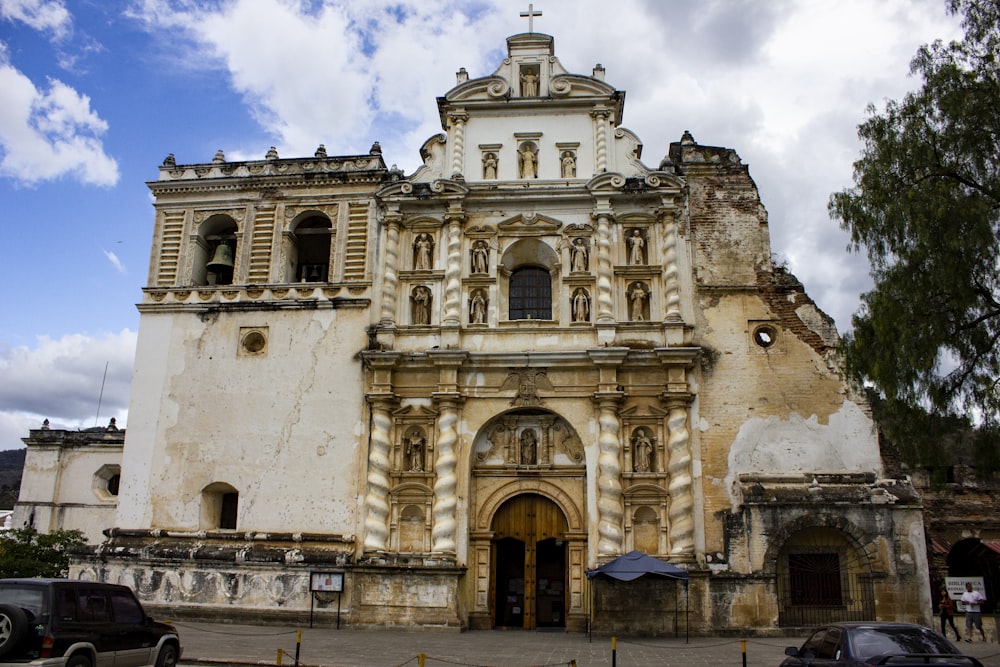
(453, 393)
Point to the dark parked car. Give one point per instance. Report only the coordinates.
(867, 644)
(66, 623)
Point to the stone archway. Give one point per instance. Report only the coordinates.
(528, 536)
(529, 573)
(822, 578)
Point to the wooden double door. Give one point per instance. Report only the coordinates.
(529, 574)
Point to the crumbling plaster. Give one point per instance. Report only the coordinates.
(797, 444)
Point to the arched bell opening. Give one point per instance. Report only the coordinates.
(308, 250)
(214, 260)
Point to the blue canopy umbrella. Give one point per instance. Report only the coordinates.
(635, 564)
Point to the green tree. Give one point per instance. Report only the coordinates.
(925, 207)
(24, 552)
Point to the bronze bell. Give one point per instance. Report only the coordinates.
(222, 260)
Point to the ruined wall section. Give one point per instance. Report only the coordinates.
(728, 223)
(770, 402)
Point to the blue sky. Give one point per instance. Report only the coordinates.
(95, 94)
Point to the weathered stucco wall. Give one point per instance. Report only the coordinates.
(209, 427)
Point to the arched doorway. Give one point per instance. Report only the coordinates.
(529, 579)
(822, 578)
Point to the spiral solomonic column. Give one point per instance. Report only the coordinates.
(671, 273)
(610, 503)
(377, 497)
(453, 273)
(605, 273)
(446, 484)
(458, 142)
(601, 149)
(390, 281)
(681, 513)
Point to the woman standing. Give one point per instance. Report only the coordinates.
(947, 609)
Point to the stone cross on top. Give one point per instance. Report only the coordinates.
(530, 15)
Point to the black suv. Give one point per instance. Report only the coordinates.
(66, 623)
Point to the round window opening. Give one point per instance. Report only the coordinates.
(765, 336)
(254, 341)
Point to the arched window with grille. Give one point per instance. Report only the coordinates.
(530, 294)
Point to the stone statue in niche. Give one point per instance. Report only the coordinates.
(477, 307)
(636, 247)
(637, 299)
(581, 305)
(529, 447)
(423, 247)
(529, 83)
(490, 166)
(642, 451)
(567, 164)
(415, 447)
(528, 159)
(420, 300)
(480, 257)
(578, 256)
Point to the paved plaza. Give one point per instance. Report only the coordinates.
(223, 644)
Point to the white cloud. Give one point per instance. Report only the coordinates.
(115, 262)
(48, 134)
(42, 15)
(61, 380)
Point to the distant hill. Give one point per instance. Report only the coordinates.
(11, 466)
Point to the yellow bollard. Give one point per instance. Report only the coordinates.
(614, 652)
(278, 661)
(421, 657)
(743, 647)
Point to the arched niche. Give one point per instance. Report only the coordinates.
(506, 441)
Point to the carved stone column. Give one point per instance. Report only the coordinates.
(671, 272)
(383, 402)
(677, 399)
(448, 400)
(600, 117)
(457, 120)
(610, 502)
(390, 279)
(680, 486)
(453, 272)
(605, 273)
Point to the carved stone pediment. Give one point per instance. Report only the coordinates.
(413, 412)
(529, 225)
(551, 442)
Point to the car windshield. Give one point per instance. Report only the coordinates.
(870, 642)
(29, 598)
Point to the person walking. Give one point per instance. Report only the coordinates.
(947, 609)
(973, 601)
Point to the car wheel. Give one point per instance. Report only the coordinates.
(78, 660)
(13, 625)
(167, 657)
